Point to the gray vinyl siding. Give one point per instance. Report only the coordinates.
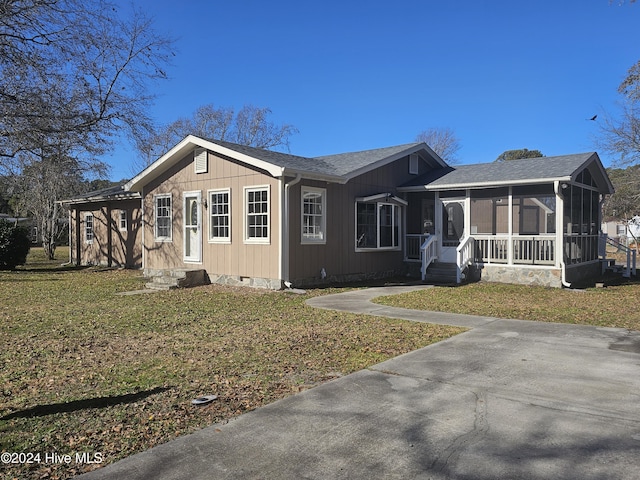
(338, 255)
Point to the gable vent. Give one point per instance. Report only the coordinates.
(200, 160)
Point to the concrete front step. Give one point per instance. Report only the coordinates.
(167, 279)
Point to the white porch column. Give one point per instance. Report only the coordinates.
(437, 218)
(510, 229)
(559, 224)
(467, 213)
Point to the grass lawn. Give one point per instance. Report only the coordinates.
(613, 306)
(83, 370)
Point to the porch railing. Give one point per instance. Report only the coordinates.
(579, 248)
(412, 244)
(522, 249)
(465, 254)
(428, 253)
(605, 240)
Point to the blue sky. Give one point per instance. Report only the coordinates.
(355, 75)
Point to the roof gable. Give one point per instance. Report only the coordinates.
(332, 168)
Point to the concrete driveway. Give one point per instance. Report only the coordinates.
(506, 400)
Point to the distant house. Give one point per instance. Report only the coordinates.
(256, 217)
(625, 233)
(27, 223)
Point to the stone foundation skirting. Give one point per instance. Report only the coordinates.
(521, 275)
(237, 281)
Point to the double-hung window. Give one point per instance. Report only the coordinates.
(257, 214)
(122, 221)
(314, 216)
(219, 216)
(379, 222)
(88, 228)
(163, 217)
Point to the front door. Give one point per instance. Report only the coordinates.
(452, 228)
(192, 227)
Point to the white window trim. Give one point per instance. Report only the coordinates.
(155, 218)
(257, 240)
(323, 195)
(93, 230)
(400, 204)
(210, 193)
(126, 220)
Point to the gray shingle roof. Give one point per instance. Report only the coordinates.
(529, 170)
(345, 163)
(335, 165)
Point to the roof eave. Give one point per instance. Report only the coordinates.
(183, 148)
(322, 177)
(473, 186)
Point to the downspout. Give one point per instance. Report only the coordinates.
(143, 256)
(78, 238)
(560, 233)
(284, 251)
(109, 222)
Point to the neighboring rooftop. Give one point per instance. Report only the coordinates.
(115, 192)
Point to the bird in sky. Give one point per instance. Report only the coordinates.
(593, 118)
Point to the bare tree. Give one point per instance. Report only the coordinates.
(624, 204)
(248, 126)
(41, 185)
(73, 74)
(443, 141)
(620, 137)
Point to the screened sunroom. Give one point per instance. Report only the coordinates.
(533, 221)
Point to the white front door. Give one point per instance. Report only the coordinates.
(192, 227)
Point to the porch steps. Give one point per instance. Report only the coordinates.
(611, 266)
(442, 273)
(168, 279)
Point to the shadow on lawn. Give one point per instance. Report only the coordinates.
(67, 407)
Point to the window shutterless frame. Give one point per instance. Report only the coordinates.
(313, 218)
(88, 228)
(378, 222)
(163, 217)
(219, 215)
(257, 214)
(122, 221)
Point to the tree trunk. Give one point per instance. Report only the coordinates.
(49, 237)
